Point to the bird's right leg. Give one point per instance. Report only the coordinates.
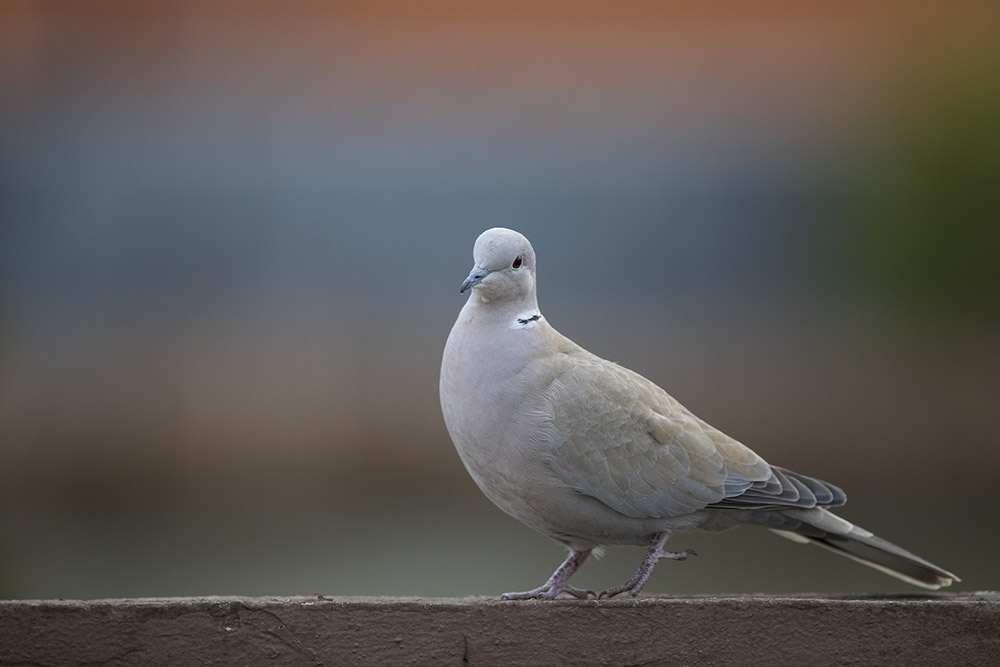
(639, 578)
(558, 582)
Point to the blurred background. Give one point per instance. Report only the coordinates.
(232, 235)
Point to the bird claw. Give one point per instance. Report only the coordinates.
(638, 579)
(548, 593)
(523, 595)
(558, 582)
(621, 588)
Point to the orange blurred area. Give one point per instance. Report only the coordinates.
(232, 234)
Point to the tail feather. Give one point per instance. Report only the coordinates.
(828, 530)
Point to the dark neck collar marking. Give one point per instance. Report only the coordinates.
(536, 316)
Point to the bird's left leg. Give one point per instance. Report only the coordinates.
(558, 582)
(639, 578)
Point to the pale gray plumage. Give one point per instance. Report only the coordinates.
(591, 453)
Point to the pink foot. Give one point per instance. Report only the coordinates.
(558, 582)
(641, 576)
(546, 592)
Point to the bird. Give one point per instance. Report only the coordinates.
(592, 454)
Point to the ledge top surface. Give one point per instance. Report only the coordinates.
(861, 599)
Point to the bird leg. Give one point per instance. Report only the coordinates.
(558, 582)
(639, 578)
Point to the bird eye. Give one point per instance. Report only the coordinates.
(517, 262)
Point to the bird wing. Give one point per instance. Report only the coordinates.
(621, 439)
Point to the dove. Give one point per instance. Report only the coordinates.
(592, 454)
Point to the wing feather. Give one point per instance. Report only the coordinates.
(619, 438)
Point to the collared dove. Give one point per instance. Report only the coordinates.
(591, 454)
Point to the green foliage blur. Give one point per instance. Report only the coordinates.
(927, 236)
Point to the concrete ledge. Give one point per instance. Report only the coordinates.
(913, 630)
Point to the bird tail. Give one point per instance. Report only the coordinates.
(822, 527)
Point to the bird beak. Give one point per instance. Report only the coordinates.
(475, 277)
